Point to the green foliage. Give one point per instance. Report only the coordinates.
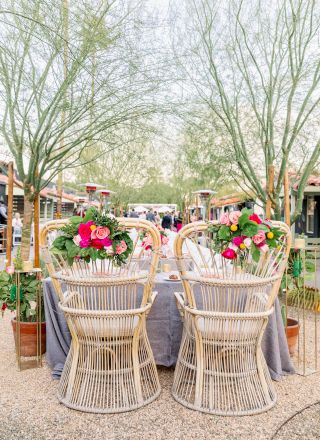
(250, 228)
(29, 285)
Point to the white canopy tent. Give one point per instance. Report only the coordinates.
(140, 209)
(164, 209)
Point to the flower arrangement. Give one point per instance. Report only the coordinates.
(146, 238)
(96, 236)
(242, 233)
(29, 285)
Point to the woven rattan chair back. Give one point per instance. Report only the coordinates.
(225, 307)
(110, 365)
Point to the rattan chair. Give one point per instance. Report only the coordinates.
(110, 366)
(225, 307)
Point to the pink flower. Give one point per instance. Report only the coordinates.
(106, 242)
(100, 232)
(85, 242)
(10, 270)
(259, 237)
(224, 219)
(237, 240)
(85, 230)
(230, 254)
(122, 247)
(164, 239)
(77, 239)
(234, 217)
(255, 218)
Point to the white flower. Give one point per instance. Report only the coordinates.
(77, 239)
(247, 241)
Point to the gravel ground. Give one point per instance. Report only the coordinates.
(30, 410)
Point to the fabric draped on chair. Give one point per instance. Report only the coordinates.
(225, 306)
(110, 366)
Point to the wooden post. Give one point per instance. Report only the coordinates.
(36, 231)
(286, 197)
(269, 190)
(10, 215)
(65, 17)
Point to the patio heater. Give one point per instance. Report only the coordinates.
(205, 195)
(104, 198)
(91, 189)
(81, 201)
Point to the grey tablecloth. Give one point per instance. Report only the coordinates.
(164, 328)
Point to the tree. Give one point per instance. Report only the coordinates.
(36, 91)
(260, 79)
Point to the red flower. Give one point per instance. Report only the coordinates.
(96, 243)
(255, 218)
(230, 254)
(4, 306)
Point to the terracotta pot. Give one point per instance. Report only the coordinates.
(28, 337)
(292, 332)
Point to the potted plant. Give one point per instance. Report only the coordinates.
(291, 326)
(29, 285)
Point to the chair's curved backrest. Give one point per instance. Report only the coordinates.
(212, 272)
(98, 274)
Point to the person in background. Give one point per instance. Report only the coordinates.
(133, 214)
(3, 214)
(157, 217)
(17, 222)
(3, 221)
(179, 221)
(166, 221)
(150, 216)
(143, 215)
(193, 217)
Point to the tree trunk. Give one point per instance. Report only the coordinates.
(27, 222)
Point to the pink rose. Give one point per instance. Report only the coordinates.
(237, 240)
(77, 239)
(234, 217)
(255, 218)
(85, 242)
(100, 232)
(122, 247)
(164, 239)
(224, 219)
(230, 254)
(107, 242)
(259, 237)
(10, 270)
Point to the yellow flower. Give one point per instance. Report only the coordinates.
(242, 246)
(93, 227)
(233, 228)
(270, 235)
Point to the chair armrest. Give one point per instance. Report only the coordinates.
(180, 302)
